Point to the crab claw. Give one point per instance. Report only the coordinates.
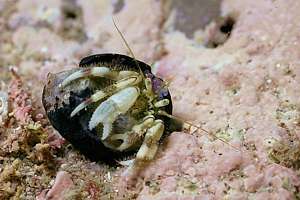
(109, 110)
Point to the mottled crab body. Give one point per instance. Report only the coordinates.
(109, 107)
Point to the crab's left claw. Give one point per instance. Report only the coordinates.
(108, 111)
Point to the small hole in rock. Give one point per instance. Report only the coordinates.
(72, 21)
(70, 10)
(118, 6)
(227, 26)
(221, 31)
(192, 15)
(70, 15)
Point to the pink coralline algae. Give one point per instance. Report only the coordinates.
(237, 77)
(20, 100)
(3, 107)
(62, 184)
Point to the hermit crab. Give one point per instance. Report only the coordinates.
(110, 106)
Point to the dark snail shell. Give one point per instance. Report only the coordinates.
(59, 104)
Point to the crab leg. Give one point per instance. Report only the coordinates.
(150, 145)
(95, 71)
(161, 103)
(98, 72)
(119, 85)
(154, 130)
(148, 91)
(94, 98)
(110, 109)
(131, 137)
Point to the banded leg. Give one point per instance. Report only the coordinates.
(161, 103)
(148, 91)
(119, 85)
(150, 144)
(110, 109)
(97, 72)
(132, 137)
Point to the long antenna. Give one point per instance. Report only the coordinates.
(198, 127)
(127, 45)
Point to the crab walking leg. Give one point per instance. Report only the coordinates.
(150, 144)
(148, 91)
(94, 98)
(125, 74)
(131, 137)
(110, 109)
(161, 103)
(94, 71)
(129, 81)
(98, 72)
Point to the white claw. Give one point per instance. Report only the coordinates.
(107, 128)
(125, 98)
(106, 112)
(110, 109)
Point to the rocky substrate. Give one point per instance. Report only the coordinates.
(237, 77)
